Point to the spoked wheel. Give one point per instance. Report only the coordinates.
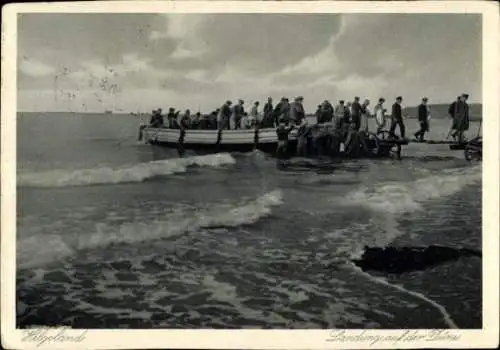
(474, 149)
(390, 150)
(387, 135)
(373, 145)
(395, 151)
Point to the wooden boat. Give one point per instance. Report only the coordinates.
(244, 140)
(383, 144)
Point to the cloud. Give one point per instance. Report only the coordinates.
(207, 58)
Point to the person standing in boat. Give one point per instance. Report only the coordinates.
(356, 113)
(268, 119)
(339, 113)
(238, 112)
(397, 117)
(245, 122)
(297, 111)
(319, 114)
(254, 114)
(278, 110)
(156, 118)
(195, 123)
(282, 132)
(379, 111)
(185, 122)
(347, 114)
(172, 118)
(423, 119)
(224, 115)
(285, 110)
(327, 112)
(363, 118)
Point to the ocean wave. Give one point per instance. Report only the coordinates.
(134, 173)
(42, 249)
(388, 201)
(405, 197)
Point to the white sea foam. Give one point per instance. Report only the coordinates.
(390, 200)
(44, 248)
(404, 197)
(440, 308)
(134, 173)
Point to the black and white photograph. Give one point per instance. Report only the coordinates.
(266, 170)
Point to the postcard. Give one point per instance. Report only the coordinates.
(250, 175)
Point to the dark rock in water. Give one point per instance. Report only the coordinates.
(407, 259)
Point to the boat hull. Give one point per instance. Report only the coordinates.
(211, 141)
(216, 141)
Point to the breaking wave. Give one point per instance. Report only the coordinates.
(134, 173)
(405, 197)
(31, 253)
(390, 200)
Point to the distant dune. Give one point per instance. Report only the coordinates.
(438, 111)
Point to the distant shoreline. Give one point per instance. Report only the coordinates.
(438, 111)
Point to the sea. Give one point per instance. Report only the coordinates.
(116, 233)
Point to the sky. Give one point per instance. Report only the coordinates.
(138, 62)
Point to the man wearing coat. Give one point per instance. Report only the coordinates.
(462, 117)
(356, 114)
(423, 119)
(397, 117)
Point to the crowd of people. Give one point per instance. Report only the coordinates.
(345, 116)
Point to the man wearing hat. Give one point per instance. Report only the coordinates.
(172, 118)
(397, 117)
(423, 119)
(238, 113)
(278, 110)
(297, 110)
(267, 120)
(285, 110)
(327, 112)
(223, 116)
(462, 117)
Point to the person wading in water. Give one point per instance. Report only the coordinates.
(282, 131)
(397, 117)
(423, 119)
(278, 111)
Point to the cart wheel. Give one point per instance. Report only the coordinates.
(395, 151)
(472, 154)
(387, 135)
(374, 145)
